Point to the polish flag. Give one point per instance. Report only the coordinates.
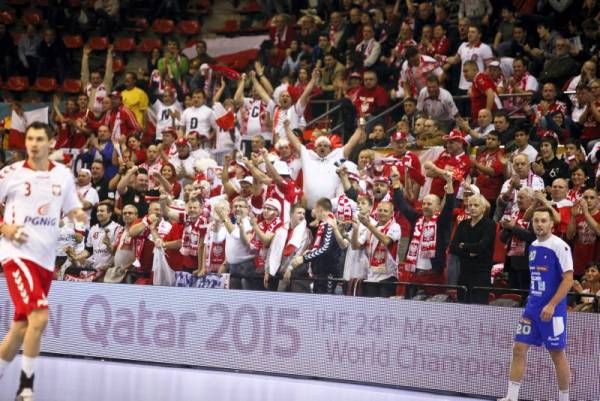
(18, 124)
(225, 118)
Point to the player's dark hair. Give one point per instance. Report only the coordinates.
(544, 209)
(109, 206)
(43, 126)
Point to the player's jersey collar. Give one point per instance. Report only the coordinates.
(27, 165)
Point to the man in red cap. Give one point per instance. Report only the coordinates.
(453, 161)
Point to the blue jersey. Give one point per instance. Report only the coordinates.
(548, 260)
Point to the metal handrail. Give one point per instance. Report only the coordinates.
(328, 112)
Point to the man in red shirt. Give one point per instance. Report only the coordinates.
(453, 161)
(407, 163)
(483, 92)
(371, 98)
(489, 164)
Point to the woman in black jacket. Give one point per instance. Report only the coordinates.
(473, 242)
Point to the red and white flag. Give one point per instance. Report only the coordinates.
(225, 118)
(18, 124)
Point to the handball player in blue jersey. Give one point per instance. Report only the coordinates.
(544, 321)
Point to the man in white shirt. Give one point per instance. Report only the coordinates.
(435, 102)
(319, 166)
(369, 48)
(522, 177)
(86, 192)
(285, 109)
(415, 70)
(36, 192)
(239, 256)
(184, 162)
(167, 111)
(473, 50)
(100, 239)
(199, 117)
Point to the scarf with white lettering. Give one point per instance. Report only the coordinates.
(516, 246)
(377, 251)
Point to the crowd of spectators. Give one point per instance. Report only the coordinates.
(496, 111)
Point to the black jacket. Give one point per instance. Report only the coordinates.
(478, 244)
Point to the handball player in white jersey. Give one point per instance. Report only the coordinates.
(35, 193)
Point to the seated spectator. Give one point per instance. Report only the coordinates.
(477, 136)
(477, 11)
(369, 48)
(502, 125)
(332, 73)
(410, 114)
(560, 67)
(107, 16)
(52, 56)
(8, 53)
(546, 45)
(28, 47)
(587, 74)
(519, 46)
(378, 137)
(590, 118)
(547, 165)
(504, 27)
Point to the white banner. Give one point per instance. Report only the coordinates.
(430, 346)
(221, 46)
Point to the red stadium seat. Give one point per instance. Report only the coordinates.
(17, 84)
(137, 24)
(118, 65)
(43, 84)
(163, 26)
(71, 86)
(98, 42)
(148, 44)
(31, 16)
(73, 41)
(188, 27)
(231, 25)
(124, 44)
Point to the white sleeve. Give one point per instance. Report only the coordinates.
(70, 199)
(505, 186)
(421, 99)
(363, 234)
(486, 52)
(92, 196)
(438, 72)
(565, 258)
(88, 238)
(4, 181)
(182, 121)
(532, 84)
(395, 232)
(537, 184)
(451, 106)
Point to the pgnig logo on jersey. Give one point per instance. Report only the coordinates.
(40, 221)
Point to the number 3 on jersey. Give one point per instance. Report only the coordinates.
(27, 188)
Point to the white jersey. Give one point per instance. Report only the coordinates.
(96, 96)
(164, 119)
(101, 254)
(479, 54)
(200, 119)
(36, 200)
(256, 125)
(293, 114)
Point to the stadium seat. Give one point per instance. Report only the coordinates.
(251, 7)
(31, 16)
(148, 44)
(98, 42)
(73, 41)
(118, 65)
(44, 84)
(163, 26)
(137, 24)
(188, 27)
(17, 84)
(124, 44)
(7, 17)
(71, 86)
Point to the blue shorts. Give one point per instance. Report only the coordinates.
(534, 331)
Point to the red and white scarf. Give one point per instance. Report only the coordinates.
(344, 208)
(377, 250)
(423, 241)
(365, 48)
(214, 244)
(319, 235)
(516, 246)
(192, 232)
(416, 79)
